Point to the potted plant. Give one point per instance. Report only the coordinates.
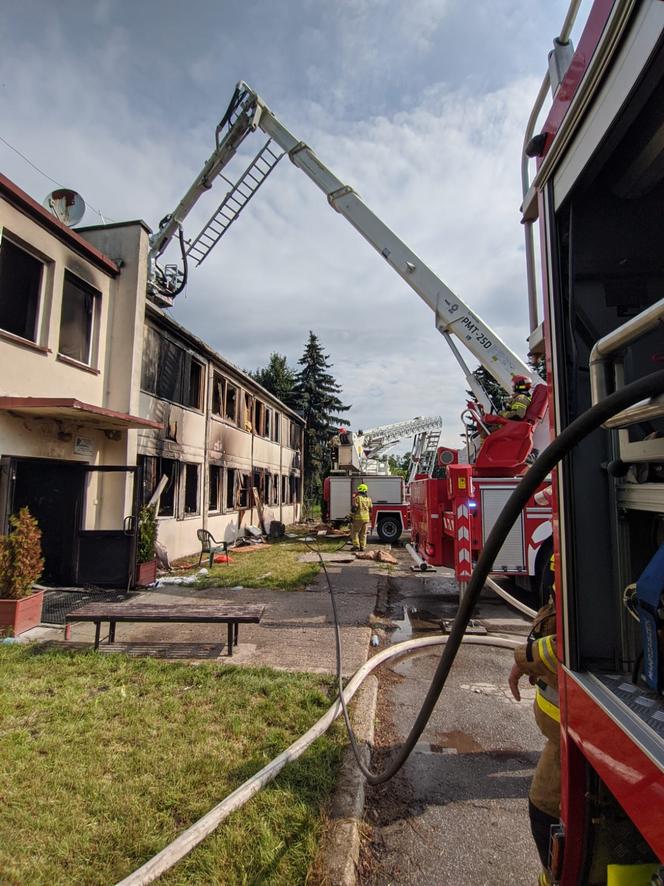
(21, 564)
(146, 559)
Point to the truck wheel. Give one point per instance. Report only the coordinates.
(540, 583)
(389, 529)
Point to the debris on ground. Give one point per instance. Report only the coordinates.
(180, 579)
(337, 557)
(222, 558)
(378, 556)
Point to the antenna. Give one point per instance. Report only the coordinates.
(66, 205)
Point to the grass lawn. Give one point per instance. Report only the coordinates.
(105, 759)
(276, 566)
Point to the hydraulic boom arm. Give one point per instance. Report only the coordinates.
(452, 316)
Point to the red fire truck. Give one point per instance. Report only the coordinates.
(598, 195)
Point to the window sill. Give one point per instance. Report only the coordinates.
(69, 361)
(23, 342)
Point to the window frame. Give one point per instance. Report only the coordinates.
(44, 262)
(217, 470)
(83, 286)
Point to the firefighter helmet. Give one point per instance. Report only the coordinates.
(521, 383)
(363, 487)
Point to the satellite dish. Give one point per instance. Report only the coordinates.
(66, 205)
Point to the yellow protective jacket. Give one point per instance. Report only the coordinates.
(362, 505)
(517, 407)
(538, 658)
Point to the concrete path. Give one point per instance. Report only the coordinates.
(295, 634)
(457, 812)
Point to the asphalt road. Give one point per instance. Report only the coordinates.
(457, 811)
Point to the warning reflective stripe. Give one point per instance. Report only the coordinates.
(463, 532)
(547, 653)
(550, 709)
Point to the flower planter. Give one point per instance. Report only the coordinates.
(146, 573)
(22, 614)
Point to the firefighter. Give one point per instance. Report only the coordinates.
(537, 659)
(520, 401)
(361, 514)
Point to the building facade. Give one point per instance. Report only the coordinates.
(102, 394)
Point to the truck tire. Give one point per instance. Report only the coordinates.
(540, 582)
(389, 528)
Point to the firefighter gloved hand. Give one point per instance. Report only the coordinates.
(515, 675)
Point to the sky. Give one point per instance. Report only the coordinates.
(420, 106)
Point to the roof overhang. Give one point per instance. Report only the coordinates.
(71, 410)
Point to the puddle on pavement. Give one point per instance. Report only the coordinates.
(418, 616)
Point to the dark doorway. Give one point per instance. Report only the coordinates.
(52, 491)
(88, 526)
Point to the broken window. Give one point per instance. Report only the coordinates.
(294, 435)
(295, 489)
(276, 423)
(170, 372)
(274, 489)
(244, 491)
(76, 319)
(259, 418)
(268, 423)
(231, 482)
(191, 488)
(218, 385)
(248, 413)
(285, 491)
(20, 287)
(195, 383)
(231, 403)
(215, 488)
(154, 468)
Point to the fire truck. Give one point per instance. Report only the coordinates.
(356, 460)
(450, 514)
(596, 199)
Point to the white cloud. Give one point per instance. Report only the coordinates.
(129, 124)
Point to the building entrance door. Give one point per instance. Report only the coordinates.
(88, 517)
(51, 490)
(107, 527)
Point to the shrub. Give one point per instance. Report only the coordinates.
(21, 561)
(147, 534)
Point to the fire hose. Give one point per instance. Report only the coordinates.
(649, 386)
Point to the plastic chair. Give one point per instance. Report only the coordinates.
(210, 545)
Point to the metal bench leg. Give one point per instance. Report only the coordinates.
(230, 638)
(97, 633)
(111, 632)
(237, 631)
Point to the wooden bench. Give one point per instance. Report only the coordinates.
(212, 613)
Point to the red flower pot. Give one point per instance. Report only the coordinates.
(146, 573)
(22, 614)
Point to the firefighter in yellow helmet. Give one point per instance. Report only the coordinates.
(520, 401)
(538, 660)
(361, 517)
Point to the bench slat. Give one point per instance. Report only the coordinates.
(211, 613)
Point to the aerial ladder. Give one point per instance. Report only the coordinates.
(461, 508)
(375, 442)
(246, 113)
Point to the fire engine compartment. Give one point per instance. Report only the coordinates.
(607, 266)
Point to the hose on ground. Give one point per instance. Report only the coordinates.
(189, 839)
(648, 386)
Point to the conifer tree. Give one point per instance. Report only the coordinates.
(316, 392)
(278, 378)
